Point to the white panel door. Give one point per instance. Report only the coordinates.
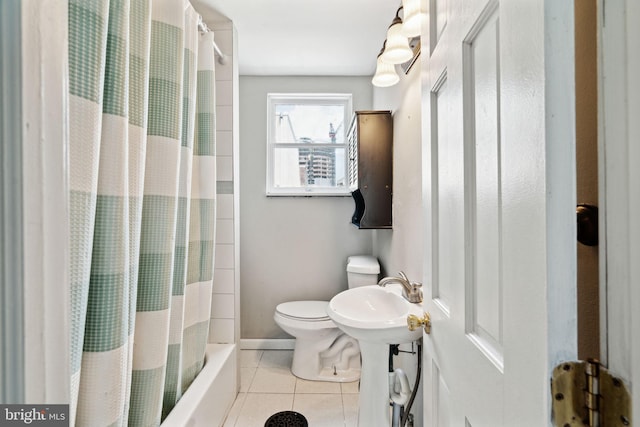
(619, 181)
(493, 283)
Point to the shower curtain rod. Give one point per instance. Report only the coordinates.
(222, 58)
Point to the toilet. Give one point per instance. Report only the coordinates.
(322, 351)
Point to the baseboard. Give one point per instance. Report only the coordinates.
(267, 344)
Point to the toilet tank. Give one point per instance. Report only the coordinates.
(362, 270)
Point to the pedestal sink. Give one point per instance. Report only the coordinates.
(376, 317)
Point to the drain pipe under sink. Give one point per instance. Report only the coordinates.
(396, 412)
(406, 414)
(403, 399)
(399, 399)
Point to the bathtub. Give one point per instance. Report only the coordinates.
(209, 399)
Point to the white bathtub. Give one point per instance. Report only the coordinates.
(209, 399)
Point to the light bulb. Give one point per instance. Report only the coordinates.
(411, 20)
(385, 74)
(397, 48)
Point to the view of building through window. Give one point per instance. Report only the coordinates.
(310, 125)
(308, 145)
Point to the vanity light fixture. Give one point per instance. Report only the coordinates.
(402, 45)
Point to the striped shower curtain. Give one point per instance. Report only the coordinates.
(142, 206)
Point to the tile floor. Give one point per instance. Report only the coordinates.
(267, 386)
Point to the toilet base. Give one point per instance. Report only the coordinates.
(340, 376)
(340, 362)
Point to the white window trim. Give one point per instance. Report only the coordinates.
(312, 99)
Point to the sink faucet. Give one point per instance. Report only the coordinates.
(410, 290)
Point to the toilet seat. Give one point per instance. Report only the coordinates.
(305, 311)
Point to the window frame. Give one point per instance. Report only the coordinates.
(274, 99)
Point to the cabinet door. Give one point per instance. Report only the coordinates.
(373, 164)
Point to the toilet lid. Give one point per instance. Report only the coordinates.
(304, 310)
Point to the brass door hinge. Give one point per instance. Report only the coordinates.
(586, 394)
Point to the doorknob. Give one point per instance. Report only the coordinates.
(414, 322)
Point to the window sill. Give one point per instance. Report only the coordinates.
(307, 195)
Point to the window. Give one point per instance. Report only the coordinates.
(306, 144)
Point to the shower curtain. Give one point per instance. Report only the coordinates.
(142, 206)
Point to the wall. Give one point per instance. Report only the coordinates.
(400, 249)
(292, 248)
(225, 303)
(43, 87)
(12, 176)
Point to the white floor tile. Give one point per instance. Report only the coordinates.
(350, 403)
(250, 358)
(272, 380)
(353, 387)
(246, 378)
(276, 359)
(235, 411)
(258, 407)
(320, 410)
(305, 386)
(267, 386)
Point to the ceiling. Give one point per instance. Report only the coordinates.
(305, 37)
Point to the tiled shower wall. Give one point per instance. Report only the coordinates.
(225, 298)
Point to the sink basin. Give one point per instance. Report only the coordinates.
(377, 317)
(374, 314)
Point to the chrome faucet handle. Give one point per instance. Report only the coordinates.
(404, 276)
(416, 292)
